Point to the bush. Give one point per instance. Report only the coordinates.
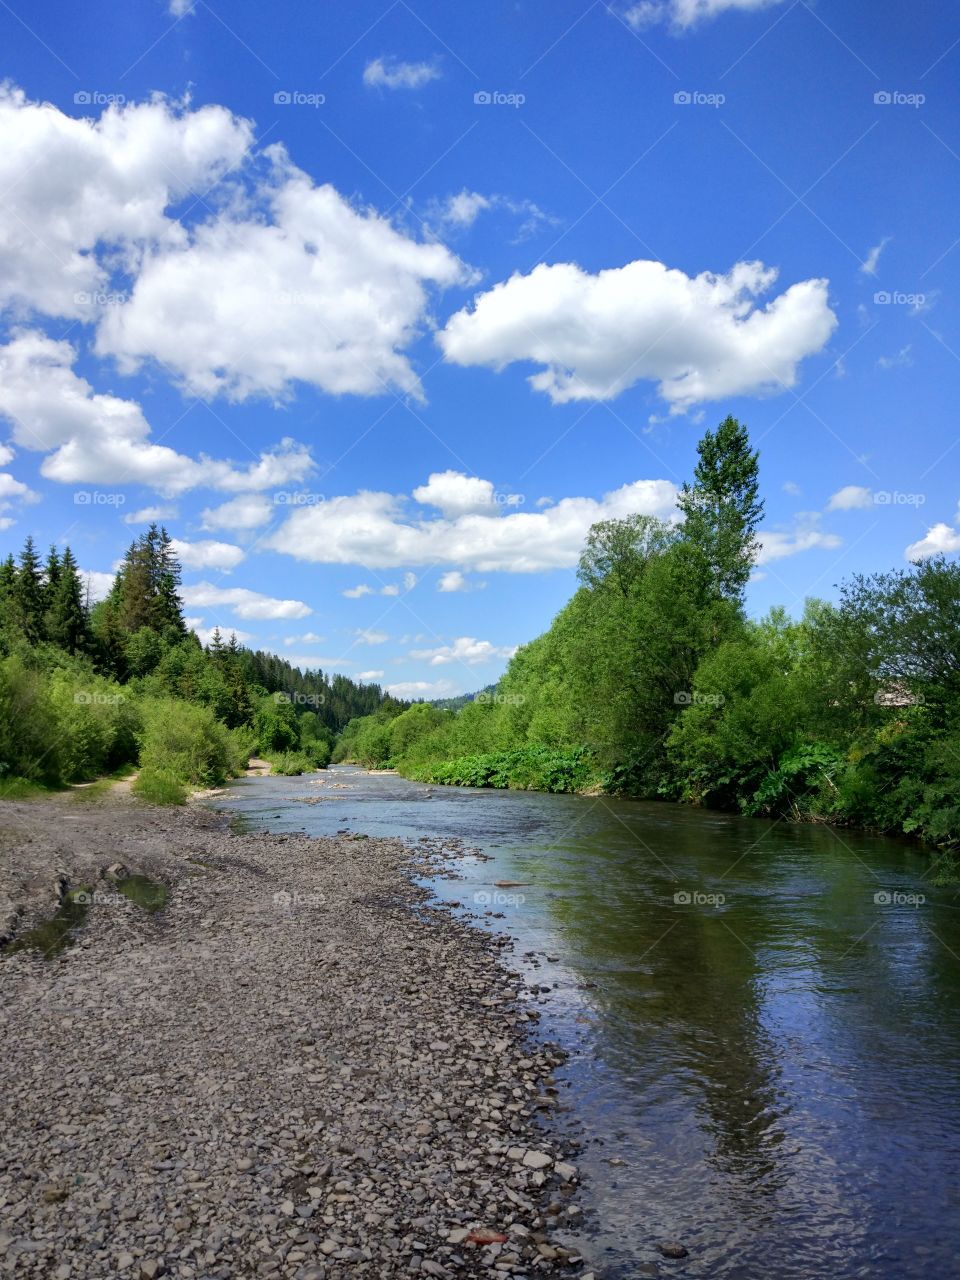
(290, 764)
(187, 742)
(160, 786)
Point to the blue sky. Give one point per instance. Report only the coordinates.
(379, 306)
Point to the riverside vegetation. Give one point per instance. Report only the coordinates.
(653, 682)
(85, 691)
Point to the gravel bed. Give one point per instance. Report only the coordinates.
(297, 1068)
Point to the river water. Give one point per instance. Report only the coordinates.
(763, 1019)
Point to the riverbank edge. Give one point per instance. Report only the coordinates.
(518, 1178)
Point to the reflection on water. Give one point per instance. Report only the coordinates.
(764, 1020)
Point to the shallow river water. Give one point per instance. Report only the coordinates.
(763, 1019)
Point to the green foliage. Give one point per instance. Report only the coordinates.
(523, 769)
(289, 764)
(160, 786)
(186, 741)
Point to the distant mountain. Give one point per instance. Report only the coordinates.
(454, 704)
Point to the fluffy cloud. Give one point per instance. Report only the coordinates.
(683, 14)
(248, 511)
(73, 186)
(369, 675)
(700, 338)
(460, 211)
(13, 490)
(208, 554)
(285, 281)
(101, 439)
(777, 546)
(313, 291)
(938, 540)
(849, 498)
(455, 494)
(390, 73)
(371, 636)
(452, 581)
(373, 530)
(96, 584)
(243, 602)
(308, 637)
(425, 689)
(357, 592)
(466, 650)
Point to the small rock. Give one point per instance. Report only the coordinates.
(244, 1164)
(673, 1249)
(537, 1160)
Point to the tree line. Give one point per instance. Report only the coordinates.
(89, 687)
(653, 682)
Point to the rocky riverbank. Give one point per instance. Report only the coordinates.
(295, 1068)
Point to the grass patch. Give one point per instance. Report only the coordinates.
(160, 786)
(290, 764)
(23, 789)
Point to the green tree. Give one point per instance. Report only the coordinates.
(723, 509)
(66, 616)
(28, 594)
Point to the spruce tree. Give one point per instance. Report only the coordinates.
(28, 593)
(66, 618)
(723, 509)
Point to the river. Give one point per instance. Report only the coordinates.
(763, 1019)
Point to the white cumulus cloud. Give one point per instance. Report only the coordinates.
(700, 338)
(244, 602)
(464, 649)
(850, 497)
(375, 530)
(452, 581)
(207, 554)
(940, 539)
(150, 515)
(94, 438)
(248, 511)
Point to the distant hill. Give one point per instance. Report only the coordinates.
(454, 704)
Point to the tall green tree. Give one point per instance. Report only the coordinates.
(28, 593)
(723, 509)
(66, 622)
